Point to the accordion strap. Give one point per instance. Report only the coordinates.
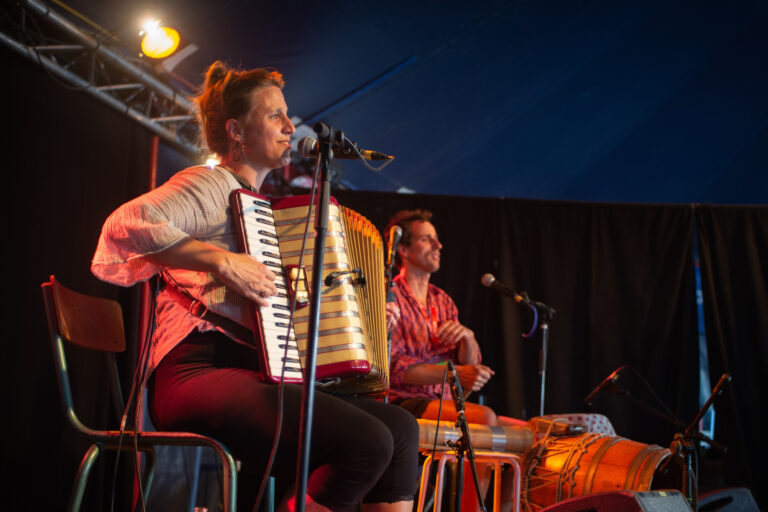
(200, 310)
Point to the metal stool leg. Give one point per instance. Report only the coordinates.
(497, 460)
(424, 483)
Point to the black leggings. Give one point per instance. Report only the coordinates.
(362, 450)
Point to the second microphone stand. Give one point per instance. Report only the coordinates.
(685, 444)
(543, 315)
(464, 443)
(394, 240)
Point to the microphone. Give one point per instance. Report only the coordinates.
(307, 147)
(490, 282)
(395, 234)
(456, 391)
(607, 382)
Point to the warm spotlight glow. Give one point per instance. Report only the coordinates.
(213, 160)
(159, 42)
(149, 26)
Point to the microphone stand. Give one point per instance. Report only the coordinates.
(546, 313)
(539, 310)
(326, 137)
(390, 298)
(394, 240)
(464, 443)
(685, 444)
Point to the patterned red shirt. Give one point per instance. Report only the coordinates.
(414, 341)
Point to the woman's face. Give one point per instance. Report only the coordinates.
(267, 130)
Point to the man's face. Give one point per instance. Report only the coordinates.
(424, 252)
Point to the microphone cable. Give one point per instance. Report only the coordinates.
(138, 383)
(363, 160)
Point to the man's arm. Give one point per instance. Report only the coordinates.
(452, 332)
(471, 376)
(424, 374)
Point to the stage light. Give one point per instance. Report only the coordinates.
(159, 42)
(213, 160)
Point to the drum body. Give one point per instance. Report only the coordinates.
(484, 437)
(558, 468)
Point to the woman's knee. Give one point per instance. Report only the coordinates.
(370, 440)
(404, 428)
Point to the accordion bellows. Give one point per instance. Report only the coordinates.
(352, 350)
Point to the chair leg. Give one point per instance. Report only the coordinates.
(81, 480)
(269, 498)
(229, 479)
(195, 479)
(149, 472)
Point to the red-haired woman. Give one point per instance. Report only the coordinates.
(204, 376)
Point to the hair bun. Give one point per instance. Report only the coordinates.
(216, 73)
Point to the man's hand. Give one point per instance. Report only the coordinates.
(393, 315)
(452, 333)
(473, 376)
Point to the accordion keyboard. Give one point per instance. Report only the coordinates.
(274, 321)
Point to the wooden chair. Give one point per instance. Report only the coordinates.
(97, 324)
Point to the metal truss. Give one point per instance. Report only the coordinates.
(91, 61)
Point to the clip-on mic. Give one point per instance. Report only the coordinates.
(464, 443)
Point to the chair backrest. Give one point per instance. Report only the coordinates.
(90, 322)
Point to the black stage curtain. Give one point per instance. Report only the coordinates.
(619, 276)
(69, 162)
(734, 269)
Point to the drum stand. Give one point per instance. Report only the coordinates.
(464, 443)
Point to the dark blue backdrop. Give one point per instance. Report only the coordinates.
(648, 101)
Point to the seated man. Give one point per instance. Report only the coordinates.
(427, 335)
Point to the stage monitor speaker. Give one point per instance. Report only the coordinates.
(624, 501)
(734, 499)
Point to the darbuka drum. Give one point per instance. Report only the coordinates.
(483, 437)
(558, 468)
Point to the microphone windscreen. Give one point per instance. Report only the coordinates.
(395, 234)
(487, 280)
(306, 146)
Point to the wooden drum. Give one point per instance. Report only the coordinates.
(558, 468)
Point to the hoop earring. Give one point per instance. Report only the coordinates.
(237, 154)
